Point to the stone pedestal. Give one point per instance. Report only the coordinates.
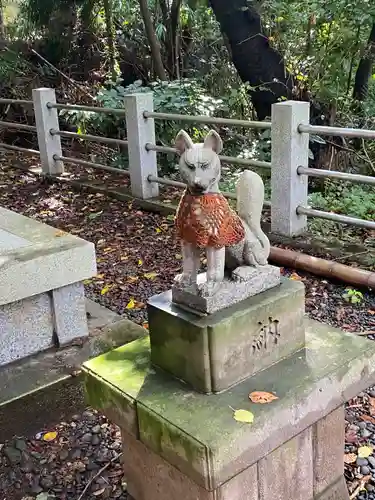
(214, 352)
(42, 299)
(245, 282)
(179, 443)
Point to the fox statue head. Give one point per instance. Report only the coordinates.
(199, 163)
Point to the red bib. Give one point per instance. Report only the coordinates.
(208, 221)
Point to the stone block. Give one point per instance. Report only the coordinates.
(69, 309)
(214, 352)
(150, 477)
(287, 472)
(26, 327)
(197, 434)
(40, 259)
(336, 491)
(246, 282)
(328, 448)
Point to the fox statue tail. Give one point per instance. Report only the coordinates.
(250, 198)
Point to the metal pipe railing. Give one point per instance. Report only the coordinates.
(226, 159)
(331, 174)
(343, 219)
(337, 131)
(19, 149)
(208, 119)
(169, 182)
(98, 166)
(19, 126)
(92, 109)
(15, 101)
(88, 137)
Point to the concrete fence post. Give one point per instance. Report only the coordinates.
(46, 119)
(290, 149)
(140, 131)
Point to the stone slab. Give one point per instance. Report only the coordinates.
(328, 442)
(26, 327)
(336, 491)
(51, 260)
(69, 311)
(150, 477)
(217, 351)
(245, 282)
(311, 384)
(287, 472)
(9, 241)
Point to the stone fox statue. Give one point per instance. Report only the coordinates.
(205, 220)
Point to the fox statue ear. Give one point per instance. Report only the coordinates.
(183, 142)
(213, 141)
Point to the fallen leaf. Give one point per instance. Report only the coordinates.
(262, 397)
(351, 436)
(140, 262)
(372, 406)
(361, 486)
(49, 436)
(150, 276)
(132, 279)
(178, 256)
(145, 325)
(59, 233)
(364, 451)
(131, 304)
(295, 277)
(370, 311)
(244, 416)
(105, 290)
(350, 458)
(99, 276)
(96, 493)
(42, 496)
(367, 418)
(158, 230)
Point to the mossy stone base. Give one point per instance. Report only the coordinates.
(197, 434)
(215, 352)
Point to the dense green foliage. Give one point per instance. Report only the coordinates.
(322, 43)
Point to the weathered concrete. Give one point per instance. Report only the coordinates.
(214, 352)
(52, 379)
(69, 313)
(310, 385)
(245, 282)
(26, 328)
(41, 292)
(141, 131)
(47, 118)
(51, 259)
(290, 149)
(150, 477)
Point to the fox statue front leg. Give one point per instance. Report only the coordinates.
(190, 267)
(215, 271)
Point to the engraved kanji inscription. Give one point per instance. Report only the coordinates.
(269, 335)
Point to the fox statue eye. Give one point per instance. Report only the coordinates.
(190, 166)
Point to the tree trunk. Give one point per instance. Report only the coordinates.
(174, 38)
(255, 60)
(2, 26)
(364, 70)
(152, 40)
(108, 13)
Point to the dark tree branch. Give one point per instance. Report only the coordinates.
(153, 40)
(364, 69)
(255, 60)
